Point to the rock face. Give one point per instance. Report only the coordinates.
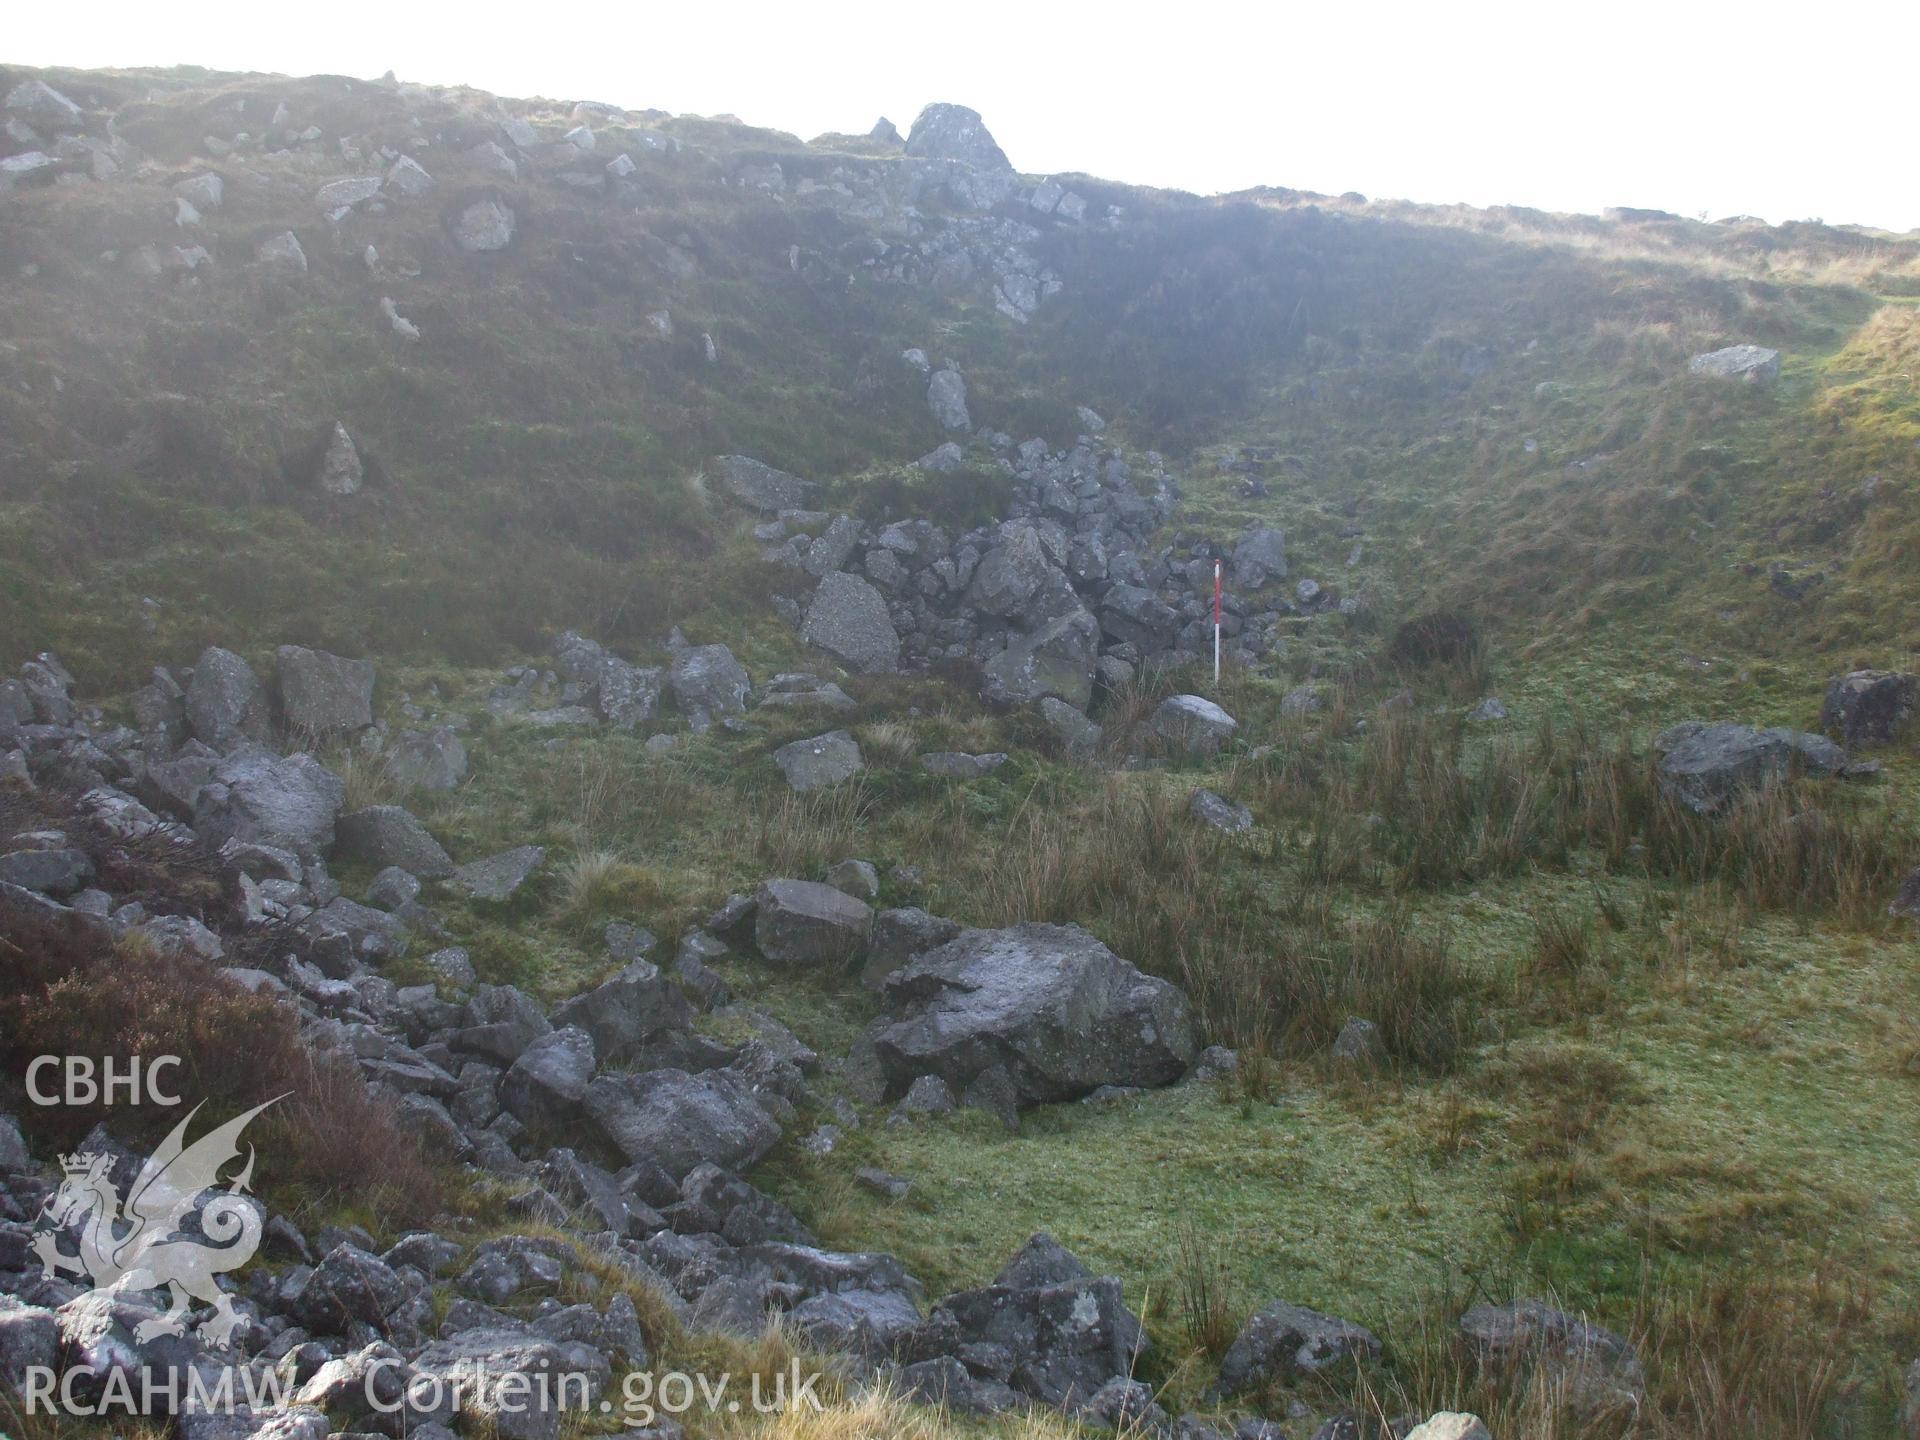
(1907, 902)
(408, 179)
(958, 765)
(954, 132)
(1360, 1043)
(1284, 1341)
(1705, 767)
(1219, 813)
(497, 877)
(225, 701)
(679, 1121)
(383, 835)
(1048, 1005)
(1078, 736)
(1047, 1327)
(947, 399)
(27, 168)
(40, 104)
(1594, 1367)
(322, 695)
(759, 486)
(1752, 363)
(708, 682)
(429, 759)
(1055, 660)
(819, 762)
(801, 923)
(898, 936)
(1869, 707)
(624, 694)
(1011, 573)
(281, 254)
(626, 1012)
(1193, 723)
(502, 1377)
(266, 799)
(341, 470)
(848, 619)
(1260, 556)
(484, 226)
(1451, 1425)
(1019, 598)
(58, 872)
(544, 1085)
(343, 195)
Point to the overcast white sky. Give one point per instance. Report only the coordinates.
(1683, 105)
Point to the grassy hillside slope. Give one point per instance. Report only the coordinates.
(1664, 1071)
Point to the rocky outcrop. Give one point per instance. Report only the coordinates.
(545, 1083)
(627, 1013)
(1259, 557)
(1451, 1425)
(677, 1121)
(759, 486)
(848, 619)
(1062, 596)
(1049, 1006)
(801, 923)
(1056, 660)
(947, 399)
(1593, 1367)
(342, 469)
(433, 759)
(1193, 724)
(1907, 902)
(258, 797)
(1706, 767)
(816, 763)
(484, 226)
(383, 835)
(621, 693)
(957, 765)
(497, 1371)
(708, 683)
(954, 132)
(225, 702)
(1046, 1329)
(1869, 707)
(1752, 363)
(322, 696)
(497, 877)
(1284, 1341)
(1219, 813)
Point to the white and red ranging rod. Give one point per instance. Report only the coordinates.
(1216, 623)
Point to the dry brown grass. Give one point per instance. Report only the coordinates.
(1433, 812)
(1727, 1357)
(598, 885)
(328, 1141)
(1131, 865)
(802, 834)
(366, 780)
(70, 989)
(881, 1415)
(1206, 1299)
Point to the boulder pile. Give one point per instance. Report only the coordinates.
(1064, 596)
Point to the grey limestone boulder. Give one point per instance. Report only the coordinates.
(1054, 1008)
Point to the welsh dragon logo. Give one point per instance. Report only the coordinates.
(144, 1247)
